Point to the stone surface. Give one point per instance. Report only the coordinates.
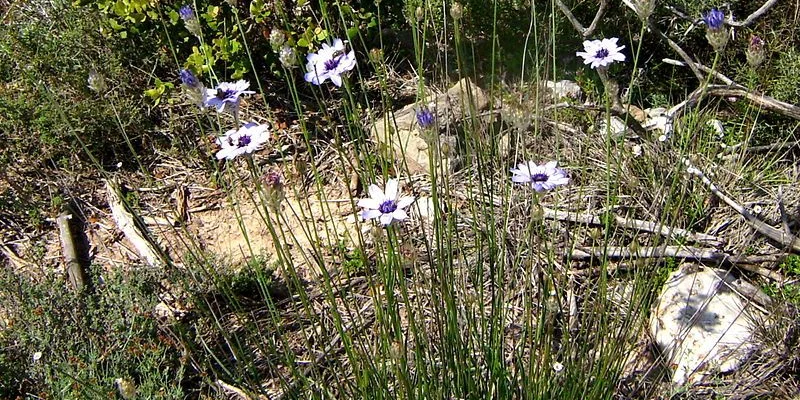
(702, 322)
(564, 89)
(615, 129)
(399, 133)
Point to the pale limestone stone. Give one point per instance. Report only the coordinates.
(703, 323)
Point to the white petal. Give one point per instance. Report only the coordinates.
(338, 45)
(405, 201)
(369, 203)
(376, 193)
(386, 219)
(391, 189)
(551, 165)
(399, 214)
(520, 179)
(371, 214)
(336, 79)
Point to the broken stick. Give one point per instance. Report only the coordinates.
(134, 230)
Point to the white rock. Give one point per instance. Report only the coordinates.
(655, 112)
(659, 123)
(701, 324)
(564, 89)
(718, 127)
(617, 126)
(425, 208)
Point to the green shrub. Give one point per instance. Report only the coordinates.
(61, 345)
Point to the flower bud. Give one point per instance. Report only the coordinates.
(277, 38)
(193, 88)
(273, 187)
(126, 388)
(419, 13)
(288, 57)
(190, 20)
(96, 82)
(425, 118)
(755, 51)
(456, 11)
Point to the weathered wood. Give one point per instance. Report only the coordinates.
(134, 231)
(69, 248)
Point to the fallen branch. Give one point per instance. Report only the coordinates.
(229, 389)
(635, 224)
(786, 239)
(629, 223)
(747, 263)
(132, 228)
(765, 102)
(19, 262)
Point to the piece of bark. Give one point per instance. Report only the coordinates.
(69, 247)
(135, 232)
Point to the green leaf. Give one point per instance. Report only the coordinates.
(302, 42)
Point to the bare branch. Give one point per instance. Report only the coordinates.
(716, 74)
(786, 239)
(746, 263)
(675, 47)
(567, 13)
(754, 16)
(596, 20)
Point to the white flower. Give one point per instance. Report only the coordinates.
(601, 53)
(246, 139)
(329, 62)
(37, 356)
(558, 367)
(540, 177)
(384, 204)
(225, 97)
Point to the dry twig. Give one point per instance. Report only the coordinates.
(133, 229)
(786, 239)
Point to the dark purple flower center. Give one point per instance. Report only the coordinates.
(244, 140)
(602, 53)
(387, 207)
(226, 94)
(539, 177)
(331, 64)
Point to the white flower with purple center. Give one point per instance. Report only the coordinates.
(601, 53)
(540, 177)
(225, 97)
(385, 205)
(329, 62)
(245, 140)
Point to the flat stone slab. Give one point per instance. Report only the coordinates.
(704, 321)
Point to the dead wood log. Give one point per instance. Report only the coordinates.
(133, 228)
